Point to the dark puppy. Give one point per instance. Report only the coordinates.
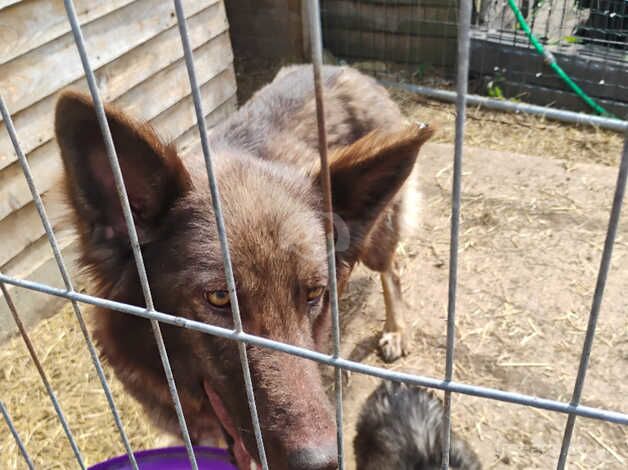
(267, 166)
(400, 428)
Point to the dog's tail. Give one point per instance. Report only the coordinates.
(400, 427)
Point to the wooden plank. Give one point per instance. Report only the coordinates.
(19, 229)
(39, 73)
(145, 102)
(37, 264)
(181, 117)
(172, 84)
(14, 193)
(35, 124)
(189, 141)
(28, 25)
(23, 227)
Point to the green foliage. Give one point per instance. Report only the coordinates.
(494, 90)
(419, 74)
(571, 39)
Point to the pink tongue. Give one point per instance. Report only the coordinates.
(243, 459)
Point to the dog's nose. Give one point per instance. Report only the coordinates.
(319, 458)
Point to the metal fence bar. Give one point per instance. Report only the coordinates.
(616, 125)
(128, 218)
(457, 387)
(6, 116)
(16, 436)
(464, 42)
(42, 374)
(605, 263)
(220, 225)
(316, 47)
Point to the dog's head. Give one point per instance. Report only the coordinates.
(276, 237)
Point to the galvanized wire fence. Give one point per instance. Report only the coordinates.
(412, 43)
(572, 408)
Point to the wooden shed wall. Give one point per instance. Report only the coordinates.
(135, 50)
(268, 28)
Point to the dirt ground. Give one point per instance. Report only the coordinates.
(531, 237)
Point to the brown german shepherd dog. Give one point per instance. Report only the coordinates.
(267, 167)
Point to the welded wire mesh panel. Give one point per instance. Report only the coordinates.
(388, 34)
(556, 22)
(414, 41)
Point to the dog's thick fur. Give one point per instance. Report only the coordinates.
(266, 163)
(400, 428)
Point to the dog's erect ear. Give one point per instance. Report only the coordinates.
(366, 175)
(154, 175)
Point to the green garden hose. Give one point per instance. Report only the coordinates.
(551, 61)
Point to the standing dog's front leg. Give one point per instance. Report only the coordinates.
(394, 342)
(380, 253)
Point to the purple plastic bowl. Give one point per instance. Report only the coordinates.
(171, 458)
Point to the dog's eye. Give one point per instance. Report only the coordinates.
(314, 294)
(218, 298)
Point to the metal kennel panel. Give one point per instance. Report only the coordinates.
(572, 408)
(412, 44)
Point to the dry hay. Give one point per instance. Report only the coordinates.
(63, 353)
(518, 133)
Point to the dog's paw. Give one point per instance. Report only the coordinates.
(393, 345)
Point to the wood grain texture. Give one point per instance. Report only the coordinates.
(145, 101)
(34, 124)
(40, 72)
(27, 25)
(19, 230)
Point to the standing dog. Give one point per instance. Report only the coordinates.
(400, 428)
(267, 167)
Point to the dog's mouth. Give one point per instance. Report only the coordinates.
(244, 460)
